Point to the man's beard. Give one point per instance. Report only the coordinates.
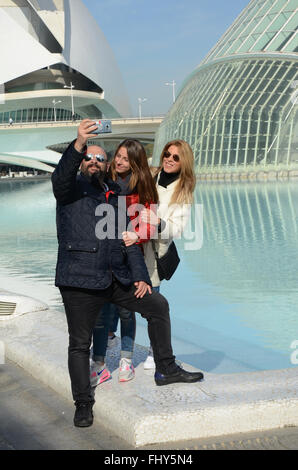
(97, 179)
(94, 178)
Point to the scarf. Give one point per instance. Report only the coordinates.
(167, 178)
(123, 183)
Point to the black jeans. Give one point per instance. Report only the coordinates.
(82, 307)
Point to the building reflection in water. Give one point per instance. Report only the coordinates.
(233, 299)
(247, 266)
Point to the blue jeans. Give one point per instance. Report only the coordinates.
(108, 321)
(100, 333)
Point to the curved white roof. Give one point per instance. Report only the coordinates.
(40, 33)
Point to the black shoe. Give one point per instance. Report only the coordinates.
(83, 416)
(180, 375)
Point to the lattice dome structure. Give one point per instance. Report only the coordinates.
(238, 109)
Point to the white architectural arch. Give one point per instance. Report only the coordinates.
(47, 46)
(41, 33)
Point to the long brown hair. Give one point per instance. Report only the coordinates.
(183, 193)
(141, 178)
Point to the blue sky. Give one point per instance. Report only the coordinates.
(158, 41)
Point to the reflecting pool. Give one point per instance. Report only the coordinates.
(233, 301)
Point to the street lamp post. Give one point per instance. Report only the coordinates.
(71, 87)
(141, 100)
(172, 84)
(54, 103)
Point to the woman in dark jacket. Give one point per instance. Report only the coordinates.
(129, 169)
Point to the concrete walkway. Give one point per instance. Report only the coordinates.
(34, 417)
(143, 414)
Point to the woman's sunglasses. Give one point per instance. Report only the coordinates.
(100, 158)
(176, 158)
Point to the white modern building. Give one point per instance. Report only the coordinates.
(56, 65)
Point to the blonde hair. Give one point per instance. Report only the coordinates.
(183, 193)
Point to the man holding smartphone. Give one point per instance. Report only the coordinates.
(91, 271)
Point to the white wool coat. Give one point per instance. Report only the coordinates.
(175, 217)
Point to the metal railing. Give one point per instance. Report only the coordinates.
(70, 123)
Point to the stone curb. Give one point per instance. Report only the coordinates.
(142, 413)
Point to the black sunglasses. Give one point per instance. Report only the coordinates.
(99, 157)
(176, 158)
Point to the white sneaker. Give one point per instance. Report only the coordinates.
(126, 370)
(149, 363)
(98, 374)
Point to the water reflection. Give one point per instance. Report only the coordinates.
(28, 236)
(248, 265)
(233, 302)
(252, 229)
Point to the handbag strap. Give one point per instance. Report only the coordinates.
(154, 250)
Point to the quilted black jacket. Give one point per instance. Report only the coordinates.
(84, 260)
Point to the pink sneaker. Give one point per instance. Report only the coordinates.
(126, 370)
(98, 374)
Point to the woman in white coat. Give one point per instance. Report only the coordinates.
(175, 181)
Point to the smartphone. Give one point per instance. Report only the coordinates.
(103, 127)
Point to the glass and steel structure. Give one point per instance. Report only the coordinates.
(238, 109)
(38, 115)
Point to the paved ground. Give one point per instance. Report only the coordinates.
(33, 417)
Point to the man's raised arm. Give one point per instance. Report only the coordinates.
(64, 176)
